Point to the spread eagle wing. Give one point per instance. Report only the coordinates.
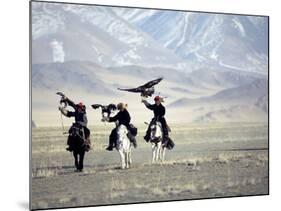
(151, 83)
(96, 106)
(60, 94)
(112, 106)
(143, 87)
(138, 89)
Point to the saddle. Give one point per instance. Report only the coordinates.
(76, 130)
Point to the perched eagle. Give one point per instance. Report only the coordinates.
(63, 100)
(146, 89)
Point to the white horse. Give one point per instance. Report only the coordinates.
(123, 146)
(156, 137)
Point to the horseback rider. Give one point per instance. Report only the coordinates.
(121, 118)
(159, 113)
(80, 117)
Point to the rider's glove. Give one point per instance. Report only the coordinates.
(105, 119)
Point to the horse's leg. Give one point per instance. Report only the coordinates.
(153, 152)
(127, 159)
(163, 154)
(160, 154)
(75, 154)
(158, 148)
(81, 159)
(122, 158)
(130, 156)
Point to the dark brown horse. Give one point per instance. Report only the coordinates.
(77, 139)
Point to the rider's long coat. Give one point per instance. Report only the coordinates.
(159, 113)
(158, 110)
(123, 117)
(80, 116)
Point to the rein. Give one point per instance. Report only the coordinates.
(62, 125)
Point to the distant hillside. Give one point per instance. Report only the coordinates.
(238, 113)
(245, 94)
(69, 75)
(245, 103)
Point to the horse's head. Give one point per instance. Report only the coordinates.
(76, 132)
(122, 132)
(156, 130)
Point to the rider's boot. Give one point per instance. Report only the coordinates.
(165, 140)
(109, 148)
(69, 143)
(134, 141)
(165, 136)
(69, 148)
(110, 145)
(112, 140)
(146, 137)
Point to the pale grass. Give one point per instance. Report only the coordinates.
(44, 172)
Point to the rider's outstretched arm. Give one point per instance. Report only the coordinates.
(66, 112)
(147, 104)
(63, 111)
(113, 119)
(71, 103)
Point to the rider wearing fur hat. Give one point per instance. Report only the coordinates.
(159, 113)
(122, 117)
(80, 117)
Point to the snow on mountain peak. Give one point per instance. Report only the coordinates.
(58, 52)
(239, 25)
(121, 36)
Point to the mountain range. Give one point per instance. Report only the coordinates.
(215, 66)
(113, 36)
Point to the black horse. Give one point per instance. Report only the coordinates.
(77, 140)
